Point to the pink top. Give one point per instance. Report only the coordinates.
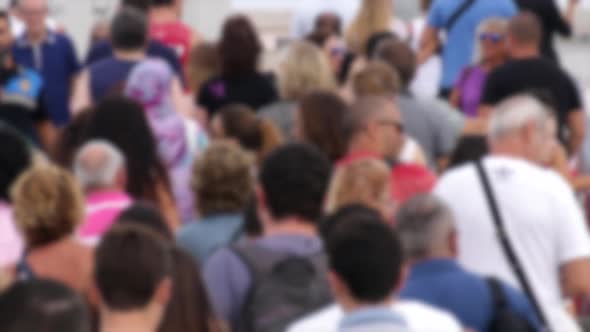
(102, 209)
(11, 243)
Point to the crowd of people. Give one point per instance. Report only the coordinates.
(387, 175)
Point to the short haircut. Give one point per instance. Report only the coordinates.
(377, 39)
(525, 28)
(294, 179)
(400, 57)
(146, 215)
(130, 264)
(424, 224)
(48, 204)
(376, 79)
(240, 46)
(158, 3)
(15, 158)
(141, 5)
(4, 15)
(364, 110)
(42, 305)
(97, 164)
(364, 252)
(516, 112)
(129, 30)
(469, 149)
(222, 179)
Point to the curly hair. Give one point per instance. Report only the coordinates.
(48, 204)
(223, 179)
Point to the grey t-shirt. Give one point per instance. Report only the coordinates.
(282, 114)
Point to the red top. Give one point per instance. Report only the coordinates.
(175, 35)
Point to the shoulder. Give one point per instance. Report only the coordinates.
(326, 320)
(422, 317)
(224, 261)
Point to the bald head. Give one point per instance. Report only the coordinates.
(99, 165)
(525, 30)
(34, 13)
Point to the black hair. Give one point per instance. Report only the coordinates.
(470, 148)
(146, 215)
(42, 305)
(376, 39)
(122, 122)
(239, 47)
(162, 3)
(295, 179)
(252, 223)
(130, 264)
(141, 5)
(71, 138)
(15, 157)
(364, 252)
(129, 29)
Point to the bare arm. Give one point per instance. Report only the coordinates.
(455, 99)
(47, 134)
(81, 97)
(429, 44)
(577, 125)
(575, 277)
(570, 11)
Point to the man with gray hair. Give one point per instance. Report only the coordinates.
(545, 246)
(429, 239)
(100, 168)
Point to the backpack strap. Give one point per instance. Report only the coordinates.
(498, 297)
(259, 260)
(458, 13)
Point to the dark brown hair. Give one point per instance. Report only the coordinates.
(239, 47)
(400, 57)
(321, 115)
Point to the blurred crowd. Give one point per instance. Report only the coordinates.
(387, 175)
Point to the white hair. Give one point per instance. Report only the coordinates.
(492, 24)
(97, 164)
(516, 112)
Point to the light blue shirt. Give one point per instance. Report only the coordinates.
(373, 319)
(460, 42)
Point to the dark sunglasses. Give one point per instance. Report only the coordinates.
(493, 37)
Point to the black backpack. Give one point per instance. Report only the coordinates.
(285, 287)
(505, 319)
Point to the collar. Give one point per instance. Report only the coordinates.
(371, 316)
(50, 39)
(432, 267)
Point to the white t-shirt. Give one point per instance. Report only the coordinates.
(426, 82)
(308, 10)
(17, 26)
(419, 317)
(544, 224)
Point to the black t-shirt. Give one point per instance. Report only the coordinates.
(539, 76)
(24, 119)
(551, 20)
(254, 90)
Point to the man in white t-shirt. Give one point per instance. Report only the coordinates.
(307, 11)
(545, 225)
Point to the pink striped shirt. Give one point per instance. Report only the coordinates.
(102, 209)
(11, 243)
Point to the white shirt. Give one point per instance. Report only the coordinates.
(426, 82)
(419, 317)
(544, 223)
(18, 27)
(308, 10)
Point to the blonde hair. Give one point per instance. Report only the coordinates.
(48, 204)
(360, 182)
(305, 69)
(374, 16)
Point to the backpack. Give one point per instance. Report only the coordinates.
(505, 319)
(285, 287)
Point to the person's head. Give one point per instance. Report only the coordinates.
(364, 258)
(42, 305)
(400, 56)
(203, 64)
(319, 122)
(523, 127)
(34, 13)
(165, 3)
(123, 123)
(189, 308)
(146, 215)
(129, 30)
(426, 229)
(292, 185)
(15, 158)
(222, 179)
(6, 37)
(99, 165)
(492, 40)
(141, 5)
(524, 33)
(374, 16)
(48, 204)
(377, 39)
(70, 138)
(375, 124)
(240, 47)
(327, 24)
(239, 123)
(376, 79)
(469, 149)
(133, 273)
(367, 182)
(304, 69)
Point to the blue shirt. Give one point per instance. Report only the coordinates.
(202, 238)
(381, 319)
(460, 42)
(108, 74)
(56, 61)
(444, 284)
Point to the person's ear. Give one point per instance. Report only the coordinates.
(403, 277)
(94, 297)
(163, 292)
(337, 286)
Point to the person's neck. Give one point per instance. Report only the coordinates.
(522, 53)
(135, 55)
(432, 257)
(509, 149)
(291, 226)
(491, 64)
(362, 145)
(163, 14)
(353, 305)
(36, 37)
(135, 321)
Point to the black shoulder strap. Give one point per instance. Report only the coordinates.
(507, 246)
(498, 296)
(257, 259)
(458, 13)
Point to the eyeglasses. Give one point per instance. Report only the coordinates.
(493, 37)
(397, 125)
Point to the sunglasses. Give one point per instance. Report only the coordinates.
(400, 127)
(493, 37)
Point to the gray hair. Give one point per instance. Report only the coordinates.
(515, 113)
(424, 224)
(97, 164)
(493, 24)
